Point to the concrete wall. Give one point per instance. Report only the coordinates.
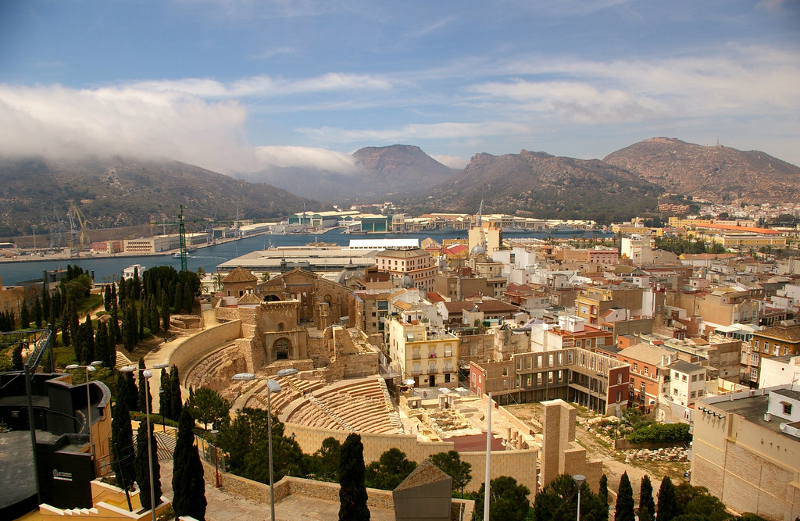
(750, 468)
(519, 464)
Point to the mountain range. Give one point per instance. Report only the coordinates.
(118, 192)
(377, 173)
(114, 192)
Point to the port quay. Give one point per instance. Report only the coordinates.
(109, 268)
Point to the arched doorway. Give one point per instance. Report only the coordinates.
(282, 347)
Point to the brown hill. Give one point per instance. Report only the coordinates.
(716, 173)
(115, 192)
(540, 185)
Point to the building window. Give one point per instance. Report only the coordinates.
(694, 394)
(787, 408)
(694, 377)
(675, 391)
(684, 378)
(447, 378)
(646, 370)
(635, 367)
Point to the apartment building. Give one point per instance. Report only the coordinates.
(593, 380)
(428, 356)
(415, 263)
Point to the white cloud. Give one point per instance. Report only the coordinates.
(55, 121)
(452, 161)
(306, 157)
(266, 86)
(410, 133)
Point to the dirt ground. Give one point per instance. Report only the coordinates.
(614, 462)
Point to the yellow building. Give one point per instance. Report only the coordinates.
(428, 356)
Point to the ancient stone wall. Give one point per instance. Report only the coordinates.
(203, 343)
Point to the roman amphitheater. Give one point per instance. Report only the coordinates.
(301, 321)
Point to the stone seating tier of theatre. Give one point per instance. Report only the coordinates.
(359, 405)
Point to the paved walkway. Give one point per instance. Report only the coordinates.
(226, 505)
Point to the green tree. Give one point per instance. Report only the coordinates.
(352, 492)
(558, 501)
(508, 500)
(246, 441)
(389, 471)
(625, 505)
(122, 441)
(188, 486)
(602, 495)
(450, 463)
(16, 358)
(164, 312)
(207, 406)
(38, 314)
(165, 395)
(144, 387)
(131, 392)
(24, 316)
(143, 468)
(153, 316)
(328, 459)
(646, 500)
(667, 502)
(107, 298)
(176, 406)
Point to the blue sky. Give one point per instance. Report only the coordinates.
(237, 85)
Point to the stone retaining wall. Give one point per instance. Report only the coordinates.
(203, 343)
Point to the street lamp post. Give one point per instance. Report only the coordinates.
(147, 373)
(579, 479)
(88, 369)
(272, 387)
(216, 462)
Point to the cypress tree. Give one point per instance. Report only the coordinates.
(188, 297)
(122, 440)
(603, 495)
(141, 325)
(114, 333)
(136, 285)
(74, 323)
(353, 492)
(646, 497)
(177, 300)
(46, 303)
(667, 501)
(164, 312)
(188, 486)
(164, 395)
(107, 298)
(143, 469)
(624, 511)
(38, 314)
(176, 406)
(88, 338)
(24, 316)
(143, 388)
(114, 301)
(132, 392)
(121, 295)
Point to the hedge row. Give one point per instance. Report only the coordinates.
(661, 433)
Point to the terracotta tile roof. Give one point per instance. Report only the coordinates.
(435, 297)
(239, 275)
(790, 333)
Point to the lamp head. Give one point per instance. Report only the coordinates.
(579, 479)
(274, 386)
(243, 376)
(147, 373)
(287, 372)
(128, 369)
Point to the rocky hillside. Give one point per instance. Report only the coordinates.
(540, 185)
(114, 192)
(379, 172)
(715, 173)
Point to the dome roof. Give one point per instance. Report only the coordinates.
(477, 250)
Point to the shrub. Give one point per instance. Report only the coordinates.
(661, 433)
